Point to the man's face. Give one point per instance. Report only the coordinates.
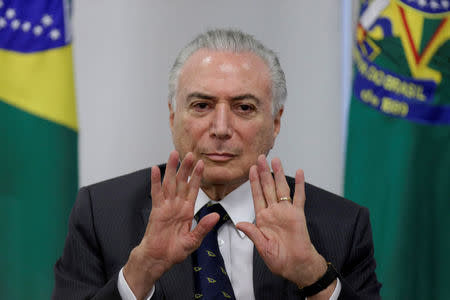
(223, 113)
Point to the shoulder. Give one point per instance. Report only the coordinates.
(113, 197)
(137, 181)
(122, 190)
(322, 202)
(319, 198)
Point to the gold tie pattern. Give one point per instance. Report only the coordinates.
(210, 277)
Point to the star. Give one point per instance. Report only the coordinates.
(434, 5)
(26, 26)
(37, 30)
(445, 4)
(2, 22)
(422, 3)
(15, 24)
(1, 3)
(54, 34)
(47, 20)
(10, 13)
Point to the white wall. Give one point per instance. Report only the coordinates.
(124, 49)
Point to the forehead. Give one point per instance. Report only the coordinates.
(240, 69)
(207, 57)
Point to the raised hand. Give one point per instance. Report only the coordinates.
(280, 234)
(168, 238)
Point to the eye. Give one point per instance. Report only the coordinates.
(245, 108)
(201, 106)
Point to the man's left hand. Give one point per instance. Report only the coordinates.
(280, 234)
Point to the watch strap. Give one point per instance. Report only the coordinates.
(330, 275)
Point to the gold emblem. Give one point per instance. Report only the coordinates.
(211, 280)
(210, 253)
(196, 269)
(223, 271)
(226, 295)
(198, 296)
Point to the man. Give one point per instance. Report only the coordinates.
(141, 237)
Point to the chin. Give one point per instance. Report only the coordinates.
(222, 175)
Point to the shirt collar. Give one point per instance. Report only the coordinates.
(238, 204)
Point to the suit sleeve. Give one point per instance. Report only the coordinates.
(358, 277)
(79, 273)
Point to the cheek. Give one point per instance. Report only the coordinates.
(188, 133)
(192, 130)
(259, 138)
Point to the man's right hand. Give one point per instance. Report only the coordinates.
(168, 238)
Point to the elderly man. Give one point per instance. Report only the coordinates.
(218, 225)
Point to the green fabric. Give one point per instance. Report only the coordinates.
(441, 61)
(429, 28)
(400, 170)
(38, 185)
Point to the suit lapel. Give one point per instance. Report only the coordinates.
(178, 281)
(266, 285)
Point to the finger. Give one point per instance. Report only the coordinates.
(281, 185)
(253, 233)
(258, 197)
(299, 196)
(169, 182)
(183, 173)
(205, 225)
(267, 183)
(156, 191)
(194, 182)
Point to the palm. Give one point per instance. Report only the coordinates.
(280, 234)
(282, 231)
(172, 226)
(168, 238)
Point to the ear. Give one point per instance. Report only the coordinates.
(277, 122)
(171, 114)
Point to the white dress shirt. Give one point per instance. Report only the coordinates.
(236, 248)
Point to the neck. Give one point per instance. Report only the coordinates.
(217, 192)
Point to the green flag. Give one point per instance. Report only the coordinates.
(398, 148)
(38, 136)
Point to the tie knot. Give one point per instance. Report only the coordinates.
(210, 208)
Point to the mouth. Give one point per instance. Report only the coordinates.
(219, 157)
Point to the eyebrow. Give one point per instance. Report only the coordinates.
(209, 97)
(200, 96)
(245, 96)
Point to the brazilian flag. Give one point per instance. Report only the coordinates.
(38, 143)
(398, 148)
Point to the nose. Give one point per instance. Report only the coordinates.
(221, 125)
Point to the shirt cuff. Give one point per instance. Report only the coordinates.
(337, 291)
(125, 291)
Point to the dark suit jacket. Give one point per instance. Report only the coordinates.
(109, 219)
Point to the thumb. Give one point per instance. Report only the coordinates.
(253, 233)
(205, 225)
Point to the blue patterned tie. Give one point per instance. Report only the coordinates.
(211, 279)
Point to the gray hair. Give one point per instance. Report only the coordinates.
(234, 41)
